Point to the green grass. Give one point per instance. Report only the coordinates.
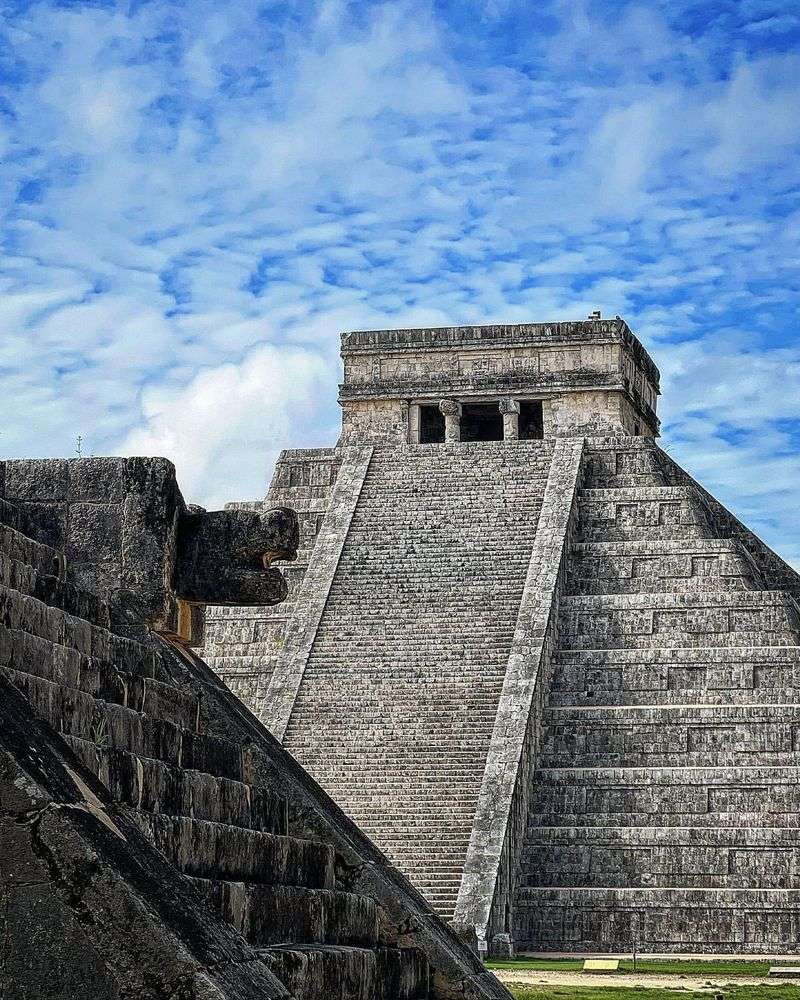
(665, 967)
(765, 992)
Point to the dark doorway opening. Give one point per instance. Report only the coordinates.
(481, 422)
(431, 425)
(531, 422)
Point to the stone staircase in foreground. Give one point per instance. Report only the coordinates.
(666, 798)
(171, 747)
(397, 702)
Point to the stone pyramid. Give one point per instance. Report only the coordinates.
(552, 677)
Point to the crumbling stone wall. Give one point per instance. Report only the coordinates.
(156, 840)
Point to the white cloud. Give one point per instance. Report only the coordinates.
(209, 194)
(224, 428)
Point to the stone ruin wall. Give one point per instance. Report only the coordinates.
(155, 840)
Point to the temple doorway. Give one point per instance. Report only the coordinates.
(531, 421)
(431, 425)
(481, 422)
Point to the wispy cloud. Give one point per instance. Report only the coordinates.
(199, 197)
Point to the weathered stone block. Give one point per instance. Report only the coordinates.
(49, 955)
(95, 532)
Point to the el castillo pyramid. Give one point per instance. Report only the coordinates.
(551, 676)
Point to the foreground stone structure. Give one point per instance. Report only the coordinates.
(155, 840)
(551, 676)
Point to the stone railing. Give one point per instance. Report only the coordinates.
(483, 913)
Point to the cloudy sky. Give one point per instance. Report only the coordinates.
(199, 197)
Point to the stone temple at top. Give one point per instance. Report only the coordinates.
(494, 383)
(550, 675)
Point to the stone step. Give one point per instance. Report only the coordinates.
(339, 973)
(415, 814)
(256, 665)
(716, 696)
(625, 465)
(15, 517)
(208, 850)
(637, 859)
(468, 638)
(155, 787)
(424, 833)
(730, 756)
(416, 789)
(35, 630)
(762, 837)
(24, 552)
(659, 566)
(625, 715)
(278, 914)
(649, 669)
(441, 693)
(393, 771)
(670, 735)
(692, 794)
(681, 819)
(708, 619)
(70, 670)
(750, 675)
(40, 571)
(391, 756)
(647, 513)
(111, 726)
(748, 921)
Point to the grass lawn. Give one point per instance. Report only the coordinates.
(765, 992)
(665, 967)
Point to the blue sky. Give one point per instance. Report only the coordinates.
(199, 197)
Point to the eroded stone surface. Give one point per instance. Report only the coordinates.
(154, 839)
(130, 540)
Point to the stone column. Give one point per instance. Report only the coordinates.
(451, 409)
(510, 410)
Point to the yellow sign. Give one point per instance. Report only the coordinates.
(601, 965)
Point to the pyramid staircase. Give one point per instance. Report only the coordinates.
(250, 848)
(395, 710)
(666, 811)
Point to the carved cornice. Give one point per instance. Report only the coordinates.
(504, 335)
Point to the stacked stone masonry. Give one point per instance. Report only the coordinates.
(664, 811)
(399, 695)
(652, 722)
(242, 644)
(155, 840)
